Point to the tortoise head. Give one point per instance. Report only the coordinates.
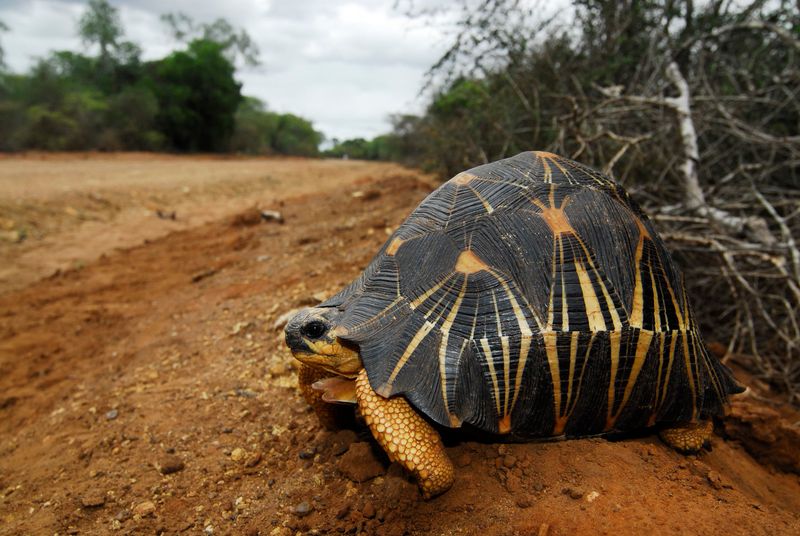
(312, 337)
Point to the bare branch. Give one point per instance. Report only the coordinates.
(785, 35)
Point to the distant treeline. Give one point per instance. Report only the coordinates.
(385, 147)
(188, 101)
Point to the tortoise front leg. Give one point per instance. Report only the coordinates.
(406, 437)
(687, 437)
(326, 413)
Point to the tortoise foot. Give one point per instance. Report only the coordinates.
(687, 437)
(407, 438)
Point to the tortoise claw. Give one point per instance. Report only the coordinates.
(336, 389)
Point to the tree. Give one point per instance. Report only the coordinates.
(131, 120)
(357, 148)
(197, 97)
(234, 43)
(3, 28)
(296, 136)
(255, 128)
(385, 147)
(118, 63)
(101, 25)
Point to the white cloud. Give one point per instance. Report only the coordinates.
(344, 65)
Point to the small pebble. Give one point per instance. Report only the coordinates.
(278, 369)
(715, 479)
(238, 454)
(369, 510)
(513, 484)
(169, 464)
(464, 460)
(341, 441)
(524, 502)
(307, 454)
(144, 509)
(112, 414)
(253, 459)
(359, 463)
(509, 461)
(343, 511)
(574, 493)
(302, 509)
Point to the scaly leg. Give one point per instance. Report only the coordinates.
(688, 437)
(406, 437)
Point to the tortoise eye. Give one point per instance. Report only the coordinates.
(314, 329)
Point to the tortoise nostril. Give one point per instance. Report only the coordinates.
(314, 329)
(293, 339)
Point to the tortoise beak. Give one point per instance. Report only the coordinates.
(294, 340)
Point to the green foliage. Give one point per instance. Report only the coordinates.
(385, 147)
(463, 98)
(131, 121)
(48, 129)
(255, 128)
(197, 97)
(12, 122)
(296, 136)
(187, 101)
(100, 25)
(3, 28)
(259, 131)
(234, 42)
(73, 124)
(357, 148)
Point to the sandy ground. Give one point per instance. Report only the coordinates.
(146, 389)
(60, 211)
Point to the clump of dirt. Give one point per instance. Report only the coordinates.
(766, 433)
(139, 398)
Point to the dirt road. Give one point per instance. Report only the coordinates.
(148, 391)
(60, 211)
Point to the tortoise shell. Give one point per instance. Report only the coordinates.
(532, 296)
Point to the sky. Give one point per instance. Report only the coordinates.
(344, 65)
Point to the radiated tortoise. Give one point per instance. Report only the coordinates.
(529, 297)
